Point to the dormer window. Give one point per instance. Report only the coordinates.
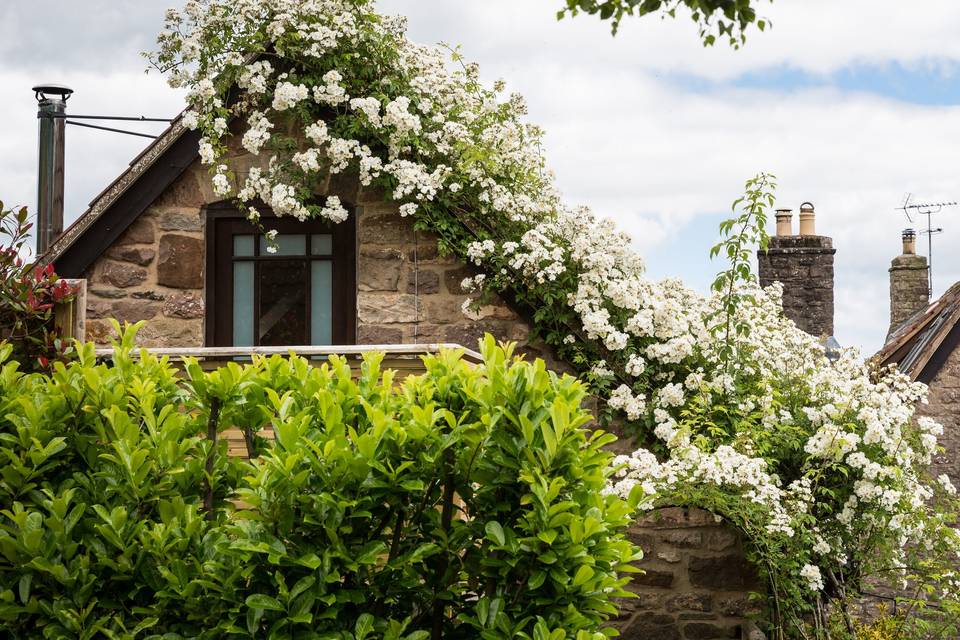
(303, 293)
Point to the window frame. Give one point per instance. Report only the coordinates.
(224, 221)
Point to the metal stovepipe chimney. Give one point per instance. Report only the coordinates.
(52, 100)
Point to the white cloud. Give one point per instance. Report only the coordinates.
(819, 36)
(662, 159)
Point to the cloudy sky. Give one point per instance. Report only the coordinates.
(851, 104)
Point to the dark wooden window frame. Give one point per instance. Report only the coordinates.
(223, 221)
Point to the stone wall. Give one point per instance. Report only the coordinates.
(696, 583)
(804, 264)
(154, 271)
(944, 407)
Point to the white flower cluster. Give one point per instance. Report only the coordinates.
(811, 574)
(431, 130)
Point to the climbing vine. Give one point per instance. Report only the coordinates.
(819, 462)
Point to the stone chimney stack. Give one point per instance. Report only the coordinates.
(909, 284)
(803, 264)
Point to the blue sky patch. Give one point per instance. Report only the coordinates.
(935, 82)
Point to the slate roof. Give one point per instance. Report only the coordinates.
(920, 347)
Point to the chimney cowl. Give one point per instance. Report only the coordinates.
(909, 237)
(808, 225)
(784, 222)
(48, 90)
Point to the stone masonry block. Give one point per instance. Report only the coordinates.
(181, 262)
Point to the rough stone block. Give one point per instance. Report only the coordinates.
(180, 264)
(423, 281)
(171, 332)
(123, 275)
(652, 578)
(375, 334)
(671, 557)
(719, 539)
(184, 305)
(690, 602)
(137, 255)
(726, 573)
(140, 232)
(738, 606)
(684, 539)
(442, 310)
(134, 310)
(98, 308)
(374, 274)
(387, 228)
(180, 221)
(108, 293)
(386, 308)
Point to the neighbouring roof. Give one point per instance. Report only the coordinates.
(921, 346)
(117, 206)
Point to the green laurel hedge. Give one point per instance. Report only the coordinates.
(465, 502)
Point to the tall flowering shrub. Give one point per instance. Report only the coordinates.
(819, 462)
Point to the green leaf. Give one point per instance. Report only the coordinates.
(495, 532)
(583, 574)
(363, 627)
(263, 601)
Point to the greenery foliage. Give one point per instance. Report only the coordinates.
(714, 18)
(27, 296)
(463, 503)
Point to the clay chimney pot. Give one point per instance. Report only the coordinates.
(808, 225)
(784, 222)
(909, 242)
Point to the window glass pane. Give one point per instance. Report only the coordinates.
(321, 244)
(287, 245)
(321, 302)
(283, 303)
(243, 245)
(243, 303)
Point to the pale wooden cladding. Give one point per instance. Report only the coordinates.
(70, 317)
(404, 359)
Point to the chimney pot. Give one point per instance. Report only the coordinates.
(909, 242)
(808, 225)
(784, 222)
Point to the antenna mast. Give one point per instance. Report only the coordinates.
(911, 209)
